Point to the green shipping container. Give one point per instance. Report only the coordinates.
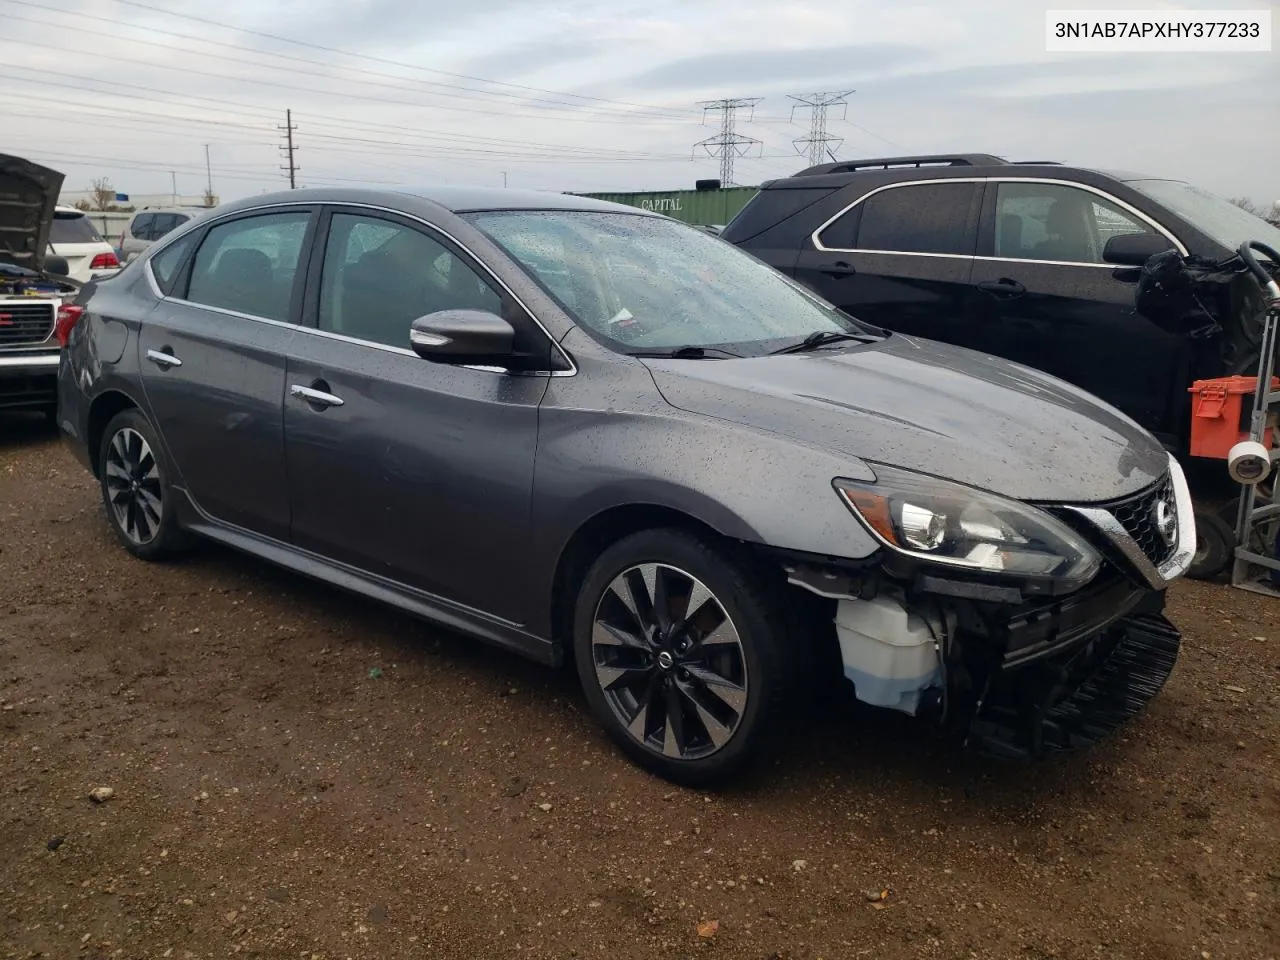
(702, 207)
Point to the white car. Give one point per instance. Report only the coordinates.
(74, 237)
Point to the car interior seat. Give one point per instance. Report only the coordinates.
(1069, 238)
(244, 280)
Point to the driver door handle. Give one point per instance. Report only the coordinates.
(1004, 288)
(163, 359)
(317, 398)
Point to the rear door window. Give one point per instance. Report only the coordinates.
(73, 228)
(164, 222)
(249, 265)
(918, 218)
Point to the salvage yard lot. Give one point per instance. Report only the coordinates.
(301, 774)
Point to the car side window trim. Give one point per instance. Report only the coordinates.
(816, 237)
(305, 268)
(183, 281)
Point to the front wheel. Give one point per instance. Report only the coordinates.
(1215, 546)
(135, 488)
(684, 656)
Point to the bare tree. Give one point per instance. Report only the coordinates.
(1248, 206)
(102, 193)
(1272, 216)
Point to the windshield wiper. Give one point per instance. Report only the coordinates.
(821, 338)
(687, 353)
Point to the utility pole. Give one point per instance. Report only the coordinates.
(289, 149)
(729, 144)
(816, 143)
(504, 178)
(208, 172)
(173, 179)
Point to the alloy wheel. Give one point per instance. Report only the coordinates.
(132, 478)
(669, 661)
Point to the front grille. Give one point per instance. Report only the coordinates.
(25, 323)
(1138, 517)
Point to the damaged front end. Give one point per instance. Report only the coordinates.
(1018, 630)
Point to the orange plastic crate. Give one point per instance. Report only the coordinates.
(1220, 415)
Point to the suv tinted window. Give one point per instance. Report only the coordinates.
(141, 226)
(73, 228)
(164, 222)
(167, 264)
(249, 265)
(1047, 221)
(916, 218)
(379, 276)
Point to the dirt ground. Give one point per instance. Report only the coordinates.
(300, 774)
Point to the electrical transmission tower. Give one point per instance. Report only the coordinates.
(816, 143)
(729, 144)
(289, 149)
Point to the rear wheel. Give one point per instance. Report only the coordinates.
(135, 488)
(683, 656)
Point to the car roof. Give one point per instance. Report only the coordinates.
(459, 199)
(60, 208)
(455, 199)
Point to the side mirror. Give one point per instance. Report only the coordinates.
(463, 338)
(1134, 249)
(57, 266)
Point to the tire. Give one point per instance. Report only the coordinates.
(633, 682)
(134, 480)
(1215, 546)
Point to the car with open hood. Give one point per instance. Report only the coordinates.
(35, 289)
(600, 437)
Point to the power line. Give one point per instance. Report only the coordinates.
(289, 129)
(462, 93)
(729, 144)
(817, 142)
(369, 57)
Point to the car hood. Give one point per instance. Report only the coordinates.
(933, 408)
(28, 196)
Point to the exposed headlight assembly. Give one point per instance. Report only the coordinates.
(957, 526)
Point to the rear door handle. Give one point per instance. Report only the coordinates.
(841, 268)
(317, 398)
(163, 359)
(1004, 288)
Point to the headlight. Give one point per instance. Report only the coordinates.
(955, 525)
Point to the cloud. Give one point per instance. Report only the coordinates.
(977, 78)
(746, 67)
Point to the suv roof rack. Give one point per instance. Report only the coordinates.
(886, 163)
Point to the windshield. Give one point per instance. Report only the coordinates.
(1220, 219)
(646, 284)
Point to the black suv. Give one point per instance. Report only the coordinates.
(1036, 262)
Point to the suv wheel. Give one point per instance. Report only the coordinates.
(683, 656)
(135, 488)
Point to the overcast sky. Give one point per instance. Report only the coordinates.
(595, 95)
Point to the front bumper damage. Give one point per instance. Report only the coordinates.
(1017, 677)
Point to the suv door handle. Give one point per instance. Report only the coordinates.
(841, 268)
(1004, 288)
(163, 359)
(316, 398)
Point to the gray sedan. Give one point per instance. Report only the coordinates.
(597, 436)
